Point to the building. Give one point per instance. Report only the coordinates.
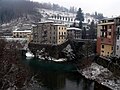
(106, 37)
(49, 33)
(118, 36)
(23, 34)
(74, 33)
(68, 20)
(58, 34)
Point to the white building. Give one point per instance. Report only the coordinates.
(118, 42)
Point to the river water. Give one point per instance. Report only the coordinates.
(58, 76)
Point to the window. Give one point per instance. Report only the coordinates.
(102, 34)
(102, 46)
(59, 27)
(64, 32)
(109, 33)
(59, 33)
(60, 17)
(101, 39)
(102, 51)
(117, 47)
(63, 18)
(66, 18)
(105, 34)
(110, 27)
(118, 37)
(118, 31)
(112, 48)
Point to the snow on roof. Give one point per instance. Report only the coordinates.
(73, 28)
(24, 31)
(14, 39)
(59, 24)
(46, 22)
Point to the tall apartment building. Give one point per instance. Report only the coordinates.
(49, 33)
(106, 37)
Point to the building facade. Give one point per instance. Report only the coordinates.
(74, 33)
(118, 41)
(23, 34)
(68, 20)
(118, 36)
(49, 33)
(106, 37)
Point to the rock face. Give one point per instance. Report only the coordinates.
(68, 51)
(101, 75)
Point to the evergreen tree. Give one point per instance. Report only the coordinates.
(80, 17)
(92, 30)
(84, 33)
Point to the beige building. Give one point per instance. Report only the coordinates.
(49, 33)
(58, 34)
(23, 34)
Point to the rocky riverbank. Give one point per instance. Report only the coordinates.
(101, 75)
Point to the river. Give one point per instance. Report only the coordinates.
(58, 76)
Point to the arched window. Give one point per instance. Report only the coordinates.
(63, 18)
(66, 18)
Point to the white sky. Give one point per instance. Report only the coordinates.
(108, 7)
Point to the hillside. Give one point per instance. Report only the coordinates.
(13, 9)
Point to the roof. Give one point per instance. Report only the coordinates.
(47, 22)
(23, 31)
(59, 24)
(108, 18)
(73, 28)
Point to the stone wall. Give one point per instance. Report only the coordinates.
(56, 50)
(52, 50)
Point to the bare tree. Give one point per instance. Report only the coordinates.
(13, 75)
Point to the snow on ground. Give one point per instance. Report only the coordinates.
(101, 75)
(53, 59)
(29, 54)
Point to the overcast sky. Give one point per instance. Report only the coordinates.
(107, 7)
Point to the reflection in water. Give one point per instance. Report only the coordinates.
(56, 76)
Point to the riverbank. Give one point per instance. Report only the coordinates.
(101, 75)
